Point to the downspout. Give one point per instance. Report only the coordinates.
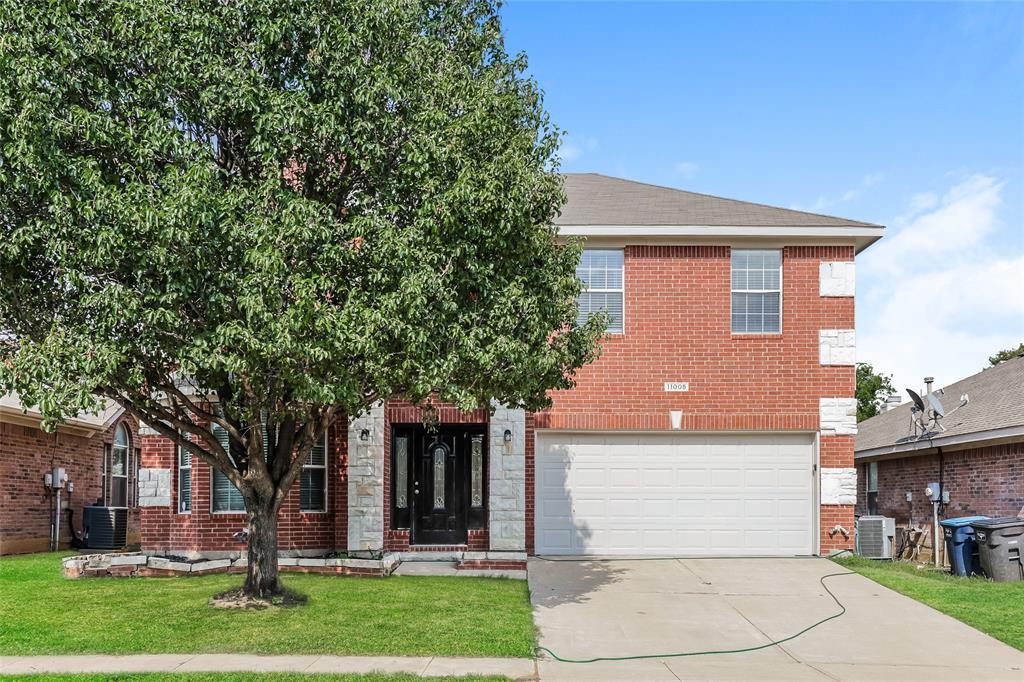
(940, 508)
(942, 479)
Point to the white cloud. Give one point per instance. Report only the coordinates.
(572, 149)
(964, 216)
(686, 169)
(937, 297)
(923, 201)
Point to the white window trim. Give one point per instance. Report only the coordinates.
(191, 480)
(114, 447)
(306, 465)
(622, 290)
(757, 291)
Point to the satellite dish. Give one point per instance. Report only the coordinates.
(918, 403)
(936, 405)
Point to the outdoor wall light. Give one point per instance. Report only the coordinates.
(508, 436)
(364, 435)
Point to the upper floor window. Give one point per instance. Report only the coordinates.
(601, 271)
(756, 291)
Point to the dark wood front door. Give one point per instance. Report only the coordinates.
(440, 501)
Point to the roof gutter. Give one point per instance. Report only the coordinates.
(863, 236)
(930, 445)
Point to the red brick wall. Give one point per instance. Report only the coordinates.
(985, 481)
(164, 529)
(678, 328)
(26, 454)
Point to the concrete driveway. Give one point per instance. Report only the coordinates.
(587, 609)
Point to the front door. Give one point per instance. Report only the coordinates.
(436, 482)
(439, 502)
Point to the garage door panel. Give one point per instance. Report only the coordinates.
(792, 479)
(793, 509)
(691, 508)
(726, 478)
(755, 508)
(692, 478)
(674, 494)
(655, 508)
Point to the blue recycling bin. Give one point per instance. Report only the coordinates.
(961, 548)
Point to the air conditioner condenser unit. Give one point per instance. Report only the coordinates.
(875, 536)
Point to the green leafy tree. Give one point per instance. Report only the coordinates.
(1008, 354)
(873, 389)
(223, 213)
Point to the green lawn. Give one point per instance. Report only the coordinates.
(43, 613)
(245, 677)
(994, 608)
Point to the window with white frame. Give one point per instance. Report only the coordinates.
(119, 467)
(184, 480)
(601, 271)
(756, 291)
(313, 485)
(226, 497)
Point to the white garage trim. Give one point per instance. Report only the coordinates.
(676, 494)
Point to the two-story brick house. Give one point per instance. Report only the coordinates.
(718, 420)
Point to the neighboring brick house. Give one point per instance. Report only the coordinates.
(978, 459)
(720, 418)
(99, 453)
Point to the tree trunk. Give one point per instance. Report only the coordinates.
(261, 579)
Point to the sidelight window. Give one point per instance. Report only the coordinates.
(440, 457)
(477, 465)
(402, 472)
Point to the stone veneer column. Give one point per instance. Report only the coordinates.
(366, 483)
(506, 508)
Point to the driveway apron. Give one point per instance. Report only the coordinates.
(620, 608)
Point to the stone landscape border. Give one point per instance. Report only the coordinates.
(137, 564)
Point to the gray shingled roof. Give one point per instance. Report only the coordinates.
(594, 199)
(997, 402)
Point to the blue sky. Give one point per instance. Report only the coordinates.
(910, 115)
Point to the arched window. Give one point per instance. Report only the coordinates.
(119, 467)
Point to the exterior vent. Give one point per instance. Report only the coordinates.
(874, 536)
(105, 527)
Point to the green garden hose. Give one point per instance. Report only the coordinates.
(680, 654)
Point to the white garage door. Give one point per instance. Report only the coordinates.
(674, 494)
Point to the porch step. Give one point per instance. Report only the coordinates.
(408, 567)
(449, 568)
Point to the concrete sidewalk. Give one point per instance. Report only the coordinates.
(426, 666)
